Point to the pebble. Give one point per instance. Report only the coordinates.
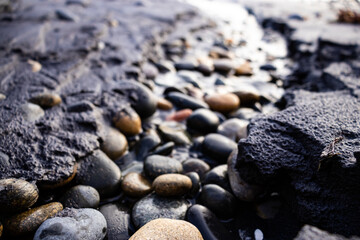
(165, 149)
(135, 185)
(268, 67)
(114, 144)
(71, 223)
(223, 65)
(218, 200)
(186, 64)
(196, 165)
(35, 66)
(244, 69)
(17, 195)
(190, 77)
(128, 122)
(173, 89)
(81, 196)
(175, 132)
(223, 103)
(244, 113)
(146, 145)
(206, 66)
(219, 176)
(218, 147)
(172, 185)
(100, 172)
(163, 228)
(183, 101)
(153, 206)
(27, 222)
(203, 121)
(32, 112)
(118, 221)
(235, 129)
(156, 165)
(46, 100)
(248, 95)
(208, 224)
(2, 96)
(150, 71)
(180, 115)
(66, 15)
(164, 104)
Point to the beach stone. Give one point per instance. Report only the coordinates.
(118, 221)
(196, 165)
(150, 71)
(135, 185)
(244, 113)
(165, 149)
(17, 195)
(32, 112)
(164, 104)
(186, 64)
(182, 101)
(180, 115)
(247, 94)
(235, 129)
(128, 122)
(27, 222)
(163, 228)
(223, 65)
(114, 144)
(223, 103)
(218, 52)
(46, 100)
(218, 147)
(149, 142)
(153, 206)
(81, 196)
(172, 185)
(268, 67)
(175, 132)
(165, 66)
(156, 165)
(71, 223)
(206, 66)
(195, 184)
(99, 172)
(203, 121)
(244, 69)
(219, 176)
(218, 200)
(207, 223)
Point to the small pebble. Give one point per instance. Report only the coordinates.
(196, 165)
(150, 71)
(223, 103)
(163, 228)
(2, 96)
(219, 176)
(235, 129)
(268, 67)
(175, 132)
(128, 122)
(248, 95)
(46, 100)
(164, 104)
(66, 15)
(180, 115)
(81, 196)
(223, 65)
(183, 101)
(195, 184)
(114, 144)
(172, 185)
(244, 113)
(35, 66)
(143, 147)
(165, 149)
(244, 69)
(118, 221)
(156, 165)
(218, 147)
(32, 112)
(217, 52)
(186, 64)
(203, 121)
(136, 185)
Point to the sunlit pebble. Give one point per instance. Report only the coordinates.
(258, 234)
(100, 45)
(113, 23)
(35, 66)
(179, 115)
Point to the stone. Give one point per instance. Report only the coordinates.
(114, 144)
(32, 112)
(152, 207)
(71, 223)
(146, 144)
(219, 176)
(180, 115)
(244, 113)
(308, 232)
(128, 122)
(156, 165)
(268, 67)
(81, 196)
(223, 103)
(172, 185)
(235, 129)
(2, 96)
(118, 221)
(206, 66)
(163, 228)
(46, 100)
(182, 101)
(165, 66)
(218, 52)
(175, 132)
(218, 200)
(244, 69)
(27, 222)
(165, 149)
(136, 185)
(223, 65)
(196, 165)
(203, 121)
(17, 195)
(247, 94)
(150, 71)
(99, 172)
(35, 66)
(186, 64)
(218, 147)
(164, 104)
(66, 15)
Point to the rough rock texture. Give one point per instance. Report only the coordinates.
(309, 232)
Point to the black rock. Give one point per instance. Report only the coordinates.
(195, 180)
(203, 121)
(146, 145)
(156, 165)
(310, 232)
(196, 165)
(81, 196)
(219, 176)
(218, 147)
(268, 67)
(182, 101)
(165, 149)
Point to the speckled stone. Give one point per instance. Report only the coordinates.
(29, 221)
(175, 132)
(156, 165)
(244, 69)
(81, 196)
(114, 144)
(163, 228)
(180, 115)
(135, 185)
(32, 112)
(223, 103)
(128, 122)
(46, 100)
(171, 185)
(118, 221)
(195, 184)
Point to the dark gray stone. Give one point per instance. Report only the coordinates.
(182, 101)
(203, 121)
(218, 147)
(81, 196)
(156, 165)
(118, 221)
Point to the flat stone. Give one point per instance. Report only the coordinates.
(156, 165)
(172, 185)
(223, 103)
(175, 132)
(118, 221)
(203, 121)
(164, 104)
(219, 176)
(244, 69)
(81, 196)
(46, 100)
(196, 165)
(180, 115)
(135, 185)
(182, 101)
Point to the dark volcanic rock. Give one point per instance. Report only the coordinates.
(309, 232)
(309, 153)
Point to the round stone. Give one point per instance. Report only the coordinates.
(244, 69)
(182, 101)
(223, 65)
(135, 185)
(128, 122)
(248, 95)
(85, 223)
(27, 222)
(165, 149)
(203, 121)
(219, 176)
(156, 165)
(163, 228)
(17, 195)
(218, 147)
(118, 220)
(175, 132)
(223, 103)
(81, 196)
(32, 112)
(164, 104)
(46, 100)
(244, 113)
(218, 200)
(196, 165)
(180, 115)
(234, 128)
(100, 172)
(195, 184)
(114, 144)
(171, 185)
(153, 206)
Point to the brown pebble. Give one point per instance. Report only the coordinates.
(136, 185)
(128, 122)
(46, 100)
(27, 222)
(35, 66)
(164, 104)
(1, 229)
(169, 229)
(173, 184)
(114, 143)
(223, 103)
(244, 69)
(179, 115)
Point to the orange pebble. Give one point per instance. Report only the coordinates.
(179, 115)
